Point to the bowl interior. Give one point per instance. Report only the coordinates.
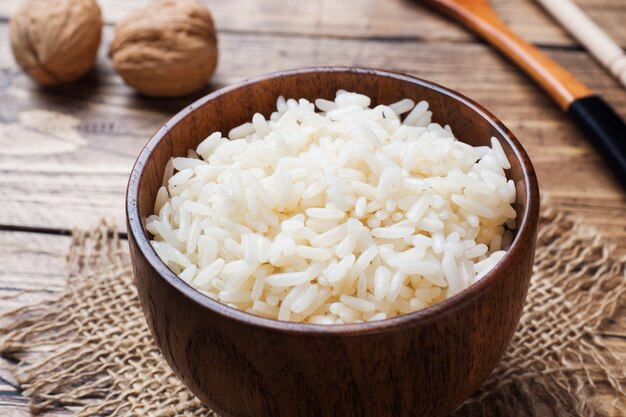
(230, 107)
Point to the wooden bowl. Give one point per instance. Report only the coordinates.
(420, 364)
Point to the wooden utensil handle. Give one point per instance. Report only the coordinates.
(594, 39)
(602, 126)
(478, 15)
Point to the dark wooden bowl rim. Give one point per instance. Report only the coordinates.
(522, 238)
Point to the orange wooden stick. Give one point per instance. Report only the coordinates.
(478, 15)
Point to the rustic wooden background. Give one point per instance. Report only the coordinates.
(65, 153)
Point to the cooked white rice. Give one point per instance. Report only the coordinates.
(345, 215)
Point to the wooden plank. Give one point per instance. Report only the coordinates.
(70, 172)
(35, 263)
(374, 18)
(33, 267)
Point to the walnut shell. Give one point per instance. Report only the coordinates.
(166, 49)
(56, 41)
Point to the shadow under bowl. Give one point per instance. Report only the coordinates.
(420, 364)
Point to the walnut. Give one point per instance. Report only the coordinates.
(168, 48)
(56, 41)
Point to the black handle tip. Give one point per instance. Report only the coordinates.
(605, 129)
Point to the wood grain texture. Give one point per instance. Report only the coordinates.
(50, 184)
(479, 16)
(33, 269)
(590, 35)
(374, 18)
(73, 188)
(32, 261)
(397, 367)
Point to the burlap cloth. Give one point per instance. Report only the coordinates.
(100, 356)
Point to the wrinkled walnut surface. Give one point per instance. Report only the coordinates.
(56, 41)
(168, 48)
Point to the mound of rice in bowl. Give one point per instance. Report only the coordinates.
(346, 214)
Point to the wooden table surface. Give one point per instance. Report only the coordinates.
(65, 153)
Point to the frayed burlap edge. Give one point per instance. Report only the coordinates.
(103, 359)
(557, 360)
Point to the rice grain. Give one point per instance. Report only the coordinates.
(347, 214)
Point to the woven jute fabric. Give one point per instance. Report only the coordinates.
(98, 355)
